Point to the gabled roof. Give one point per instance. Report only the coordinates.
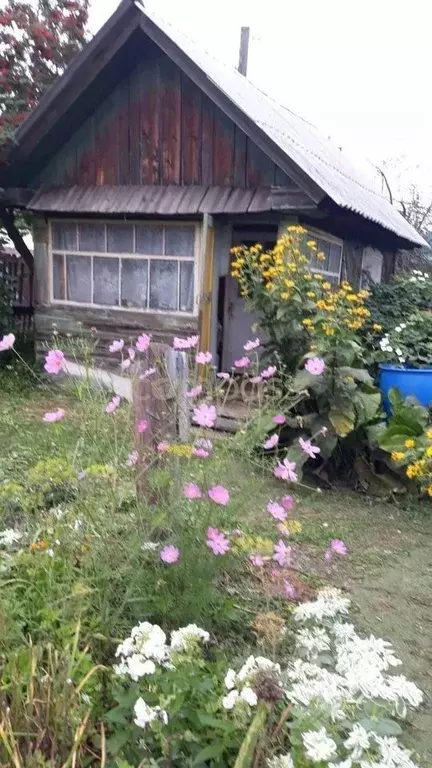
(312, 160)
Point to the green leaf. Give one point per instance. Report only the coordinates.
(343, 423)
(212, 750)
(214, 722)
(358, 374)
(367, 406)
(386, 727)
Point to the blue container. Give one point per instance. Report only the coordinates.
(410, 381)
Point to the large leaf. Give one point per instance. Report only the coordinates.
(343, 422)
(358, 374)
(212, 750)
(367, 406)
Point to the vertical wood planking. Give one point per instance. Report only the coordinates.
(150, 123)
(207, 135)
(240, 158)
(123, 117)
(86, 167)
(106, 143)
(134, 129)
(260, 169)
(191, 133)
(223, 150)
(170, 121)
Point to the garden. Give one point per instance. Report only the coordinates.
(242, 600)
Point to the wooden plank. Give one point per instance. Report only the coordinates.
(170, 121)
(149, 79)
(106, 143)
(169, 202)
(223, 150)
(123, 117)
(191, 200)
(134, 129)
(215, 200)
(207, 289)
(240, 158)
(207, 130)
(86, 164)
(260, 169)
(261, 200)
(239, 201)
(283, 180)
(191, 133)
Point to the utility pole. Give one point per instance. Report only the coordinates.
(244, 51)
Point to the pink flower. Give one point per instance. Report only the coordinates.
(205, 415)
(223, 375)
(7, 342)
(147, 373)
(219, 495)
(289, 590)
(282, 553)
(142, 426)
(257, 560)
(200, 453)
(279, 419)
(162, 447)
(271, 442)
(195, 391)
(217, 541)
(132, 459)
(202, 448)
(192, 491)
(53, 416)
(269, 372)
(192, 341)
(116, 346)
(125, 364)
(113, 405)
(288, 502)
(255, 380)
(250, 345)
(203, 358)
(339, 547)
(143, 342)
(170, 554)
(286, 471)
(242, 363)
(315, 366)
(309, 449)
(276, 511)
(54, 361)
(189, 343)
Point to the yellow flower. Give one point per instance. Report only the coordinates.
(351, 297)
(377, 327)
(429, 434)
(318, 276)
(321, 304)
(311, 244)
(329, 331)
(411, 471)
(321, 256)
(311, 295)
(409, 443)
(326, 286)
(289, 283)
(285, 296)
(429, 452)
(307, 322)
(429, 490)
(398, 456)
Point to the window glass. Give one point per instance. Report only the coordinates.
(64, 236)
(59, 290)
(149, 240)
(335, 258)
(106, 281)
(163, 284)
(78, 270)
(179, 241)
(186, 286)
(91, 237)
(119, 238)
(134, 277)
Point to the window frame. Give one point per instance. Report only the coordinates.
(319, 234)
(196, 259)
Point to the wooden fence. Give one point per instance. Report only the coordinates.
(18, 281)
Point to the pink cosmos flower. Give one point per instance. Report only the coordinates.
(276, 511)
(132, 459)
(162, 447)
(217, 541)
(54, 361)
(242, 363)
(170, 554)
(125, 364)
(189, 343)
(203, 358)
(337, 547)
(192, 341)
(286, 471)
(282, 553)
(223, 375)
(250, 345)
(219, 495)
(195, 391)
(255, 380)
(147, 373)
(113, 405)
(192, 491)
(309, 449)
(143, 342)
(271, 442)
(205, 415)
(257, 560)
(116, 346)
(54, 416)
(315, 366)
(142, 426)
(200, 453)
(279, 419)
(269, 372)
(7, 342)
(289, 590)
(288, 502)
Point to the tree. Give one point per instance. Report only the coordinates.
(38, 39)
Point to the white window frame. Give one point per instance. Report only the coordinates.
(196, 259)
(317, 233)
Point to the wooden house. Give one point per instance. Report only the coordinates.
(148, 160)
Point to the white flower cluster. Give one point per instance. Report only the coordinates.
(418, 276)
(9, 537)
(240, 684)
(144, 715)
(283, 761)
(328, 604)
(147, 648)
(386, 346)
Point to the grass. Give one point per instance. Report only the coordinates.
(388, 573)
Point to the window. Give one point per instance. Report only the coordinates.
(124, 265)
(332, 249)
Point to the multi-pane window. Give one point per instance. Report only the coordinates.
(120, 264)
(332, 264)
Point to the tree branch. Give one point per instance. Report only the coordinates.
(386, 182)
(8, 220)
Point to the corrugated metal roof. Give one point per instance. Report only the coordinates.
(167, 200)
(324, 163)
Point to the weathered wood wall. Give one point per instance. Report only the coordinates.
(157, 127)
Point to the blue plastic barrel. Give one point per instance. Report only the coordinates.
(410, 381)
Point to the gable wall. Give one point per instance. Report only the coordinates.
(157, 127)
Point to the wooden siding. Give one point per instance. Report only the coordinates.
(157, 127)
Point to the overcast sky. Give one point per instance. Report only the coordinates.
(360, 71)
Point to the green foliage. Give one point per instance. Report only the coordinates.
(391, 303)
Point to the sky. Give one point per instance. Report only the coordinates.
(358, 70)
